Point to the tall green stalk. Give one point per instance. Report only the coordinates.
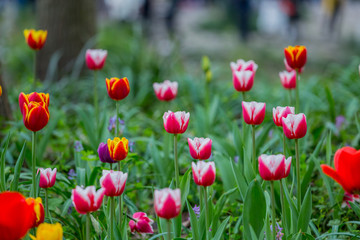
(284, 144)
(290, 97)
(47, 205)
(297, 108)
(273, 210)
(253, 149)
(177, 178)
(116, 119)
(34, 68)
(88, 226)
(34, 164)
(283, 214)
(206, 214)
(298, 174)
(112, 215)
(120, 200)
(168, 230)
(96, 106)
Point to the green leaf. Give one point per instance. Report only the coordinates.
(2, 164)
(185, 187)
(305, 212)
(240, 181)
(356, 208)
(18, 166)
(220, 231)
(193, 223)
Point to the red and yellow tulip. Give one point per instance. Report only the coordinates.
(38, 208)
(296, 57)
(118, 148)
(117, 88)
(35, 38)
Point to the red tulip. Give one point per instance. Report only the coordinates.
(166, 91)
(118, 89)
(16, 216)
(296, 57)
(280, 112)
(38, 208)
(167, 203)
(113, 182)
(253, 112)
(95, 58)
(347, 167)
(176, 122)
(243, 80)
(142, 223)
(294, 126)
(288, 79)
(200, 148)
(87, 200)
(274, 167)
(241, 65)
(204, 173)
(35, 38)
(47, 177)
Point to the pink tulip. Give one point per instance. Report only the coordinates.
(288, 79)
(200, 148)
(95, 58)
(167, 203)
(204, 173)
(241, 65)
(166, 91)
(253, 112)
(274, 167)
(142, 223)
(176, 122)
(243, 80)
(113, 182)
(294, 126)
(87, 200)
(47, 177)
(280, 112)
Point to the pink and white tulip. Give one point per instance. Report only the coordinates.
(167, 203)
(288, 79)
(294, 126)
(166, 91)
(87, 200)
(280, 112)
(242, 65)
(204, 173)
(95, 58)
(113, 182)
(176, 122)
(274, 167)
(142, 223)
(200, 148)
(253, 112)
(47, 177)
(243, 80)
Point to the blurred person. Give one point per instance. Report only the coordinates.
(332, 10)
(291, 10)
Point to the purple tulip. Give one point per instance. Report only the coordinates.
(104, 153)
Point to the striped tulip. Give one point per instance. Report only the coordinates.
(113, 182)
(167, 203)
(294, 126)
(296, 57)
(38, 208)
(87, 200)
(280, 112)
(166, 91)
(35, 38)
(141, 223)
(118, 148)
(241, 65)
(253, 112)
(204, 173)
(288, 79)
(117, 88)
(274, 167)
(243, 80)
(176, 122)
(200, 148)
(95, 58)
(47, 177)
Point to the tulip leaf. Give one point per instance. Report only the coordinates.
(185, 187)
(240, 181)
(220, 231)
(18, 166)
(355, 207)
(2, 164)
(305, 212)
(193, 223)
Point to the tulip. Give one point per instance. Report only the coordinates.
(296, 57)
(117, 88)
(166, 91)
(16, 216)
(243, 80)
(118, 148)
(294, 126)
(253, 112)
(288, 79)
(35, 38)
(200, 148)
(204, 173)
(113, 182)
(141, 223)
(176, 122)
(274, 167)
(167, 203)
(38, 208)
(87, 200)
(0, 90)
(48, 231)
(104, 154)
(47, 177)
(349, 198)
(241, 65)
(280, 112)
(95, 58)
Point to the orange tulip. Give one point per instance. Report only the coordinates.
(0, 90)
(118, 89)
(35, 38)
(118, 148)
(38, 208)
(296, 57)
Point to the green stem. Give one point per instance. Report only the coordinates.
(298, 174)
(290, 97)
(112, 199)
(168, 230)
(34, 164)
(254, 149)
(273, 210)
(206, 214)
(282, 205)
(297, 109)
(284, 144)
(116, 120)
(177, 181)
(120, 200)
(88, 226)
(34, 68)
(111, 166)
(47, 205)
(243, 96)
(201, 199)
(96, 106)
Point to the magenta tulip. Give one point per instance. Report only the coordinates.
(243, 80)
(167, 203)
(141, 223)
(176, 122)
(294, 126)
(200, 148)
(87, 200)
(288, 79)
(113, 182)
(280, 112)
(253, 112)
(274, 167)
(166, 91)
(47, 177)
(241, 65)
(95, 58)
(204, 173)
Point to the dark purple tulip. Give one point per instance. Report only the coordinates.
(104, 153)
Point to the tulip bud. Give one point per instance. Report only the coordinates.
(95, 58)
(208, 76)
(113, 182)
(38, 208)
(104, 154)
(243, 80)
(294, 126)
(242, 65)
(47, 177)
(35, 38)
(142, 223)
(274, 167)
(166, 91)
(206, 63)
(176, 122)
(200, 148)
(280, 112)
(87, 200)
(118, 148)
(49, 232)
(288, 79)
(296, 57)
(117, 89)
(167, 203)
(253, 112)
(204, 173)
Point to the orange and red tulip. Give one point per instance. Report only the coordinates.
(296, 57)
(35, 38)
(38, 208)
(118, 148)
(117, 88)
